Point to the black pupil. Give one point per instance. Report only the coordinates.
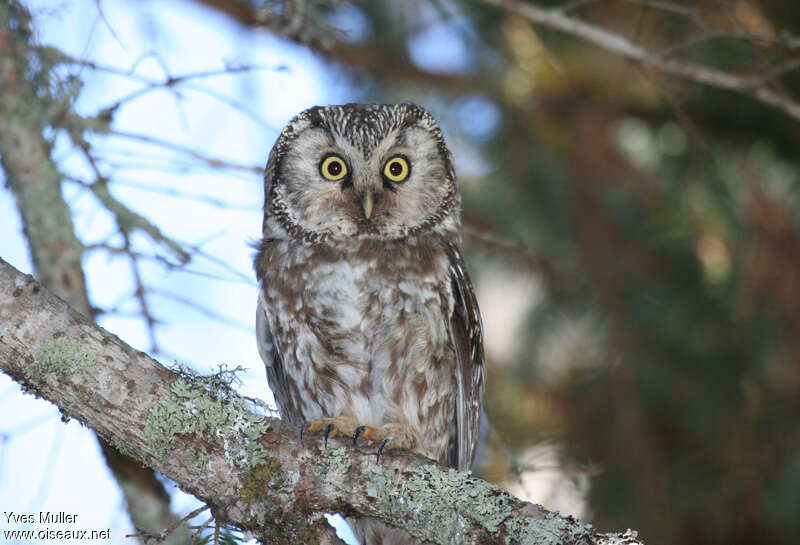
(395, 168)
(334, 168)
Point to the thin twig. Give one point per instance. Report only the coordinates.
(719, 33)
(574, 4)
(491, 240)
(206, 311)
(107, 69)
(127, 220)
(102, 16)
(611, 41)
(177, 193)
(171, 82)
(197, 251)
(770, 74)
(666, 6)
(209, 161)
(199, 531)
(161, 537)
(235, 104)
(141, 295)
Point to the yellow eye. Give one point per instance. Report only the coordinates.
(333, 168)
(396, 169)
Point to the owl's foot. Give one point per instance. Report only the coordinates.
(400, 436)
(342, 425)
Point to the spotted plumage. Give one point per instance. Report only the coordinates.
(366, 313)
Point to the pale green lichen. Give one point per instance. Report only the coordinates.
(210, 411)
(62, 356)
(552, 529)
(335, 462)
(203, 407)
(449, 501)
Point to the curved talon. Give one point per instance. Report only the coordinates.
(303, 427)
(380, 449)
(356, 434)
(328, 430)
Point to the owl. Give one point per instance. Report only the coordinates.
(367, 321)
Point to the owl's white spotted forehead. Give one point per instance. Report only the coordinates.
(366, 125)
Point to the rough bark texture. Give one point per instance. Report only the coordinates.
(26, 109)
(251, 469)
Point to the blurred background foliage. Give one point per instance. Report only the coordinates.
(635, 239)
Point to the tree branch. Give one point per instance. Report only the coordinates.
(251, 469)
(754, 87)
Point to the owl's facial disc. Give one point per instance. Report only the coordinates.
(362, 171)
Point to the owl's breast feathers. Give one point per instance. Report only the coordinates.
(360, 328)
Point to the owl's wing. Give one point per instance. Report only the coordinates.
(466, 335)
(272, 360)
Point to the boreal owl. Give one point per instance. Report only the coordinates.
(366, 319)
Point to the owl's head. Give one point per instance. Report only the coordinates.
(360, 170)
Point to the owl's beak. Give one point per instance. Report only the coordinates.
(367, 202)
